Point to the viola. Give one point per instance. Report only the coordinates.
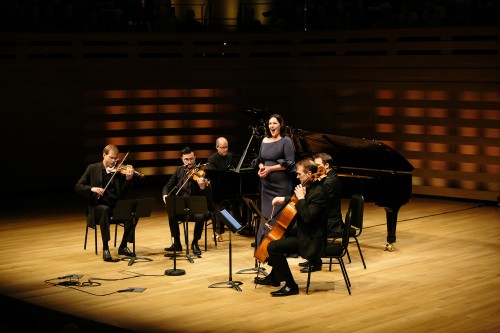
(123, 170)
(285, 218)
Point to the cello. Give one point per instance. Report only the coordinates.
(285, 218)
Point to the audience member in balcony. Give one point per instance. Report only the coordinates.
(190, 24)
(165, 20)
(408, 16)
(381, 14)
(433, 15)
(249, 22)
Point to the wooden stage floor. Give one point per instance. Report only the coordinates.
(443, 277)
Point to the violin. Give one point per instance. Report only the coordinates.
(123, 170)
(197, 173)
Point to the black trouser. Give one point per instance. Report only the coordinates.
(199, 220)
(277, 251)
(103, 218)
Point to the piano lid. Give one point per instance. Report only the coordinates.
(350, 152)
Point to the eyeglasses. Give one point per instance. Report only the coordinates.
(187, 159)
(226, 147)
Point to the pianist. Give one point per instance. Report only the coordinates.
(222, 160)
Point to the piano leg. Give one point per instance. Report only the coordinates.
(391, 214)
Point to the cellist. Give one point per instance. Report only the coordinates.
(309, 241)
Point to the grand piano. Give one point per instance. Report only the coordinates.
(367, 167)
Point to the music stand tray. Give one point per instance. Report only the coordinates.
(233, 227)
(133, 209)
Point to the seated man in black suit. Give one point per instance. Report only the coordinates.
(182, 183)
(309, 237)
(103, 185)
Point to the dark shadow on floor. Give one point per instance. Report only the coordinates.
(17, 316)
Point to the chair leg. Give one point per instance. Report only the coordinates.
(360, 253)
(348, 256)
(95, 239)
(86, 234)
(309, 268)
(344, 273)
(206, 237)
(116, 232)
(214, 225)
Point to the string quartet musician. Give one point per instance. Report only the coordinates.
(181, 184)
(103, 184)
(333, 186)
(310, 236)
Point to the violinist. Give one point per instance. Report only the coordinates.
(309, 240)
(333, 186)
(186, 181)
(103, 187)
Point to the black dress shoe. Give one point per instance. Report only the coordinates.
(314, 268)
(266, 281)
(125, 251)
(175, 246)
(196, 249)
(106, 256)
(286, 291)
(304, 263)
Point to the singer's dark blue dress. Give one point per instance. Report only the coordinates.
(277, 183)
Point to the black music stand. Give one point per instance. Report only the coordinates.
(256, 218)
(233, 227)
(175, 271)
(133, 209)
(189, 206)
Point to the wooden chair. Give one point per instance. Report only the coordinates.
(116, 222)
(337, 251)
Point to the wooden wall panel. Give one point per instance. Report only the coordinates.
(432, 95)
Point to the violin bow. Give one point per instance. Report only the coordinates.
(114, 174)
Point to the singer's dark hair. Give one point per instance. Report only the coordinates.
(282, 124)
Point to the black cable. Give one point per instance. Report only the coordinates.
(77, 285)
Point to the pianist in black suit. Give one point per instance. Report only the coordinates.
(222, 160)
(332, 184)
